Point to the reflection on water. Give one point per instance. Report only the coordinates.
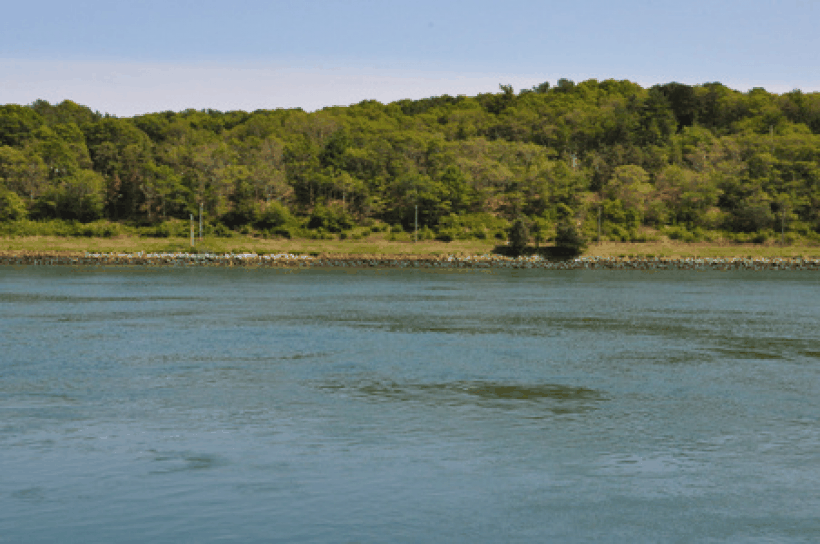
(407, 406)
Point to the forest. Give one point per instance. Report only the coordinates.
(596, 158)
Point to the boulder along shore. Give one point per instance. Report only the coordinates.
(488, 261)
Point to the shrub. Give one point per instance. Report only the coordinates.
(619, 233)
(275, 215)
(283, 232)
(168, 229)
(447, 235)
(100, 229)
(331, 219)
(472, 226)
(222, 231)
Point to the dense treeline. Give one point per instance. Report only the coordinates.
(691, 162)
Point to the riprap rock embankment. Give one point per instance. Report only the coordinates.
(489, 261)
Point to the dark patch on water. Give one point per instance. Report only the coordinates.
(130, 315)
(34, 494)
(746, 354)
(555, 398)
(186, 461)
(30, 298)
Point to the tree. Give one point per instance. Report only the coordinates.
(11, 206)
(519, 236)
(569, 240)
(76, 198)
(244, 206)
(752, 214)
(539, 227)
(23, 172)
(17, 123)
(268, 170)
(164, 193)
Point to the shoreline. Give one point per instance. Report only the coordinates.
(377, 246)
(477, 262)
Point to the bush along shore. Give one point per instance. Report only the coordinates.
(487, 261)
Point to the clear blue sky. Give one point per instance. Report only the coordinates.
(129, 57)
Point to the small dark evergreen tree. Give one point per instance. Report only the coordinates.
(519, 236)
(569, 240)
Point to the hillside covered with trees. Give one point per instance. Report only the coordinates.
(688, 162)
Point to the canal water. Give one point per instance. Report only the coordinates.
(219, 405)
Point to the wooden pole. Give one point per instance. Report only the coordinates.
(416, 231)
(783, 227)
(599, 225)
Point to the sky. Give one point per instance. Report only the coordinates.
(131, 57)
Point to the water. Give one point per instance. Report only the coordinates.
(210, 405)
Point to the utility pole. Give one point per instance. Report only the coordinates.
(416, 231)
(599, 224)
(192, 230)
(200, 221)
(783, 227)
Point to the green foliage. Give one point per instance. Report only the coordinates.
(274, 216)
(59, 227)
(173, 228)
(12, 207)
(282, 232)
(519, 236)
(75, 198)
(685, 160)
(245, 209)
(469, 226)
(569, 240)
(17, 124)
(751, 215)
(426, 233)
(331, 219)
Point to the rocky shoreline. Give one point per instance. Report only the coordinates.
(489, 261)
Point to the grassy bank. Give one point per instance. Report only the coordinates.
(379, 245)
(376, 245)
